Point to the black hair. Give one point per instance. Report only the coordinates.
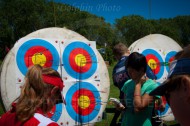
(136, 61)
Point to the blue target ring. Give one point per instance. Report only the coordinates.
(32, 43)
(70, 107)
(165, 110)
(168, 57)
(157, 55)
(67, 54)
(57, 113)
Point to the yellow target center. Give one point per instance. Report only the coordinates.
(152, 64)
(83, 101)
(80, 60)
(39, 58)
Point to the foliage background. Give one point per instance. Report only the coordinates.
(21, 17)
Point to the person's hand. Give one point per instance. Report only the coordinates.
(120, 107)
(141, 80)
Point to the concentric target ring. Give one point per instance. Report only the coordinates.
(166, 105)
(45, 53)
(165, 110)
(83, 102)
(170, 58)
(153, 57)
(79, 60)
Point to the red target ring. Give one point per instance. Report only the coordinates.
(80, 60)
(38, 55)
(154, 60)
(36, 51)
(83, 102)
(153, 63)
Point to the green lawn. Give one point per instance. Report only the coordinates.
(114, 92)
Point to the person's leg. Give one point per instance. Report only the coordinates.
(114, 120)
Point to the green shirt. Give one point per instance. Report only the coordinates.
(142, 118)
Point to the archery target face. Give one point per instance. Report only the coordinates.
(165, 112)
(36, 51)
(154, 60)
(83, 102)
(79, 60)
(169, 58)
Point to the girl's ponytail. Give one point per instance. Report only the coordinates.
(31, 96)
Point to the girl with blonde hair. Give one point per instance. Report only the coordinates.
(40, 92)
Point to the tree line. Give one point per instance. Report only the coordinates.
(21, 17)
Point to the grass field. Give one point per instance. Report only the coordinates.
(114, 92)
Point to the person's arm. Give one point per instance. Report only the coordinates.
(123, 106)
(141, 102)
(114, 77)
